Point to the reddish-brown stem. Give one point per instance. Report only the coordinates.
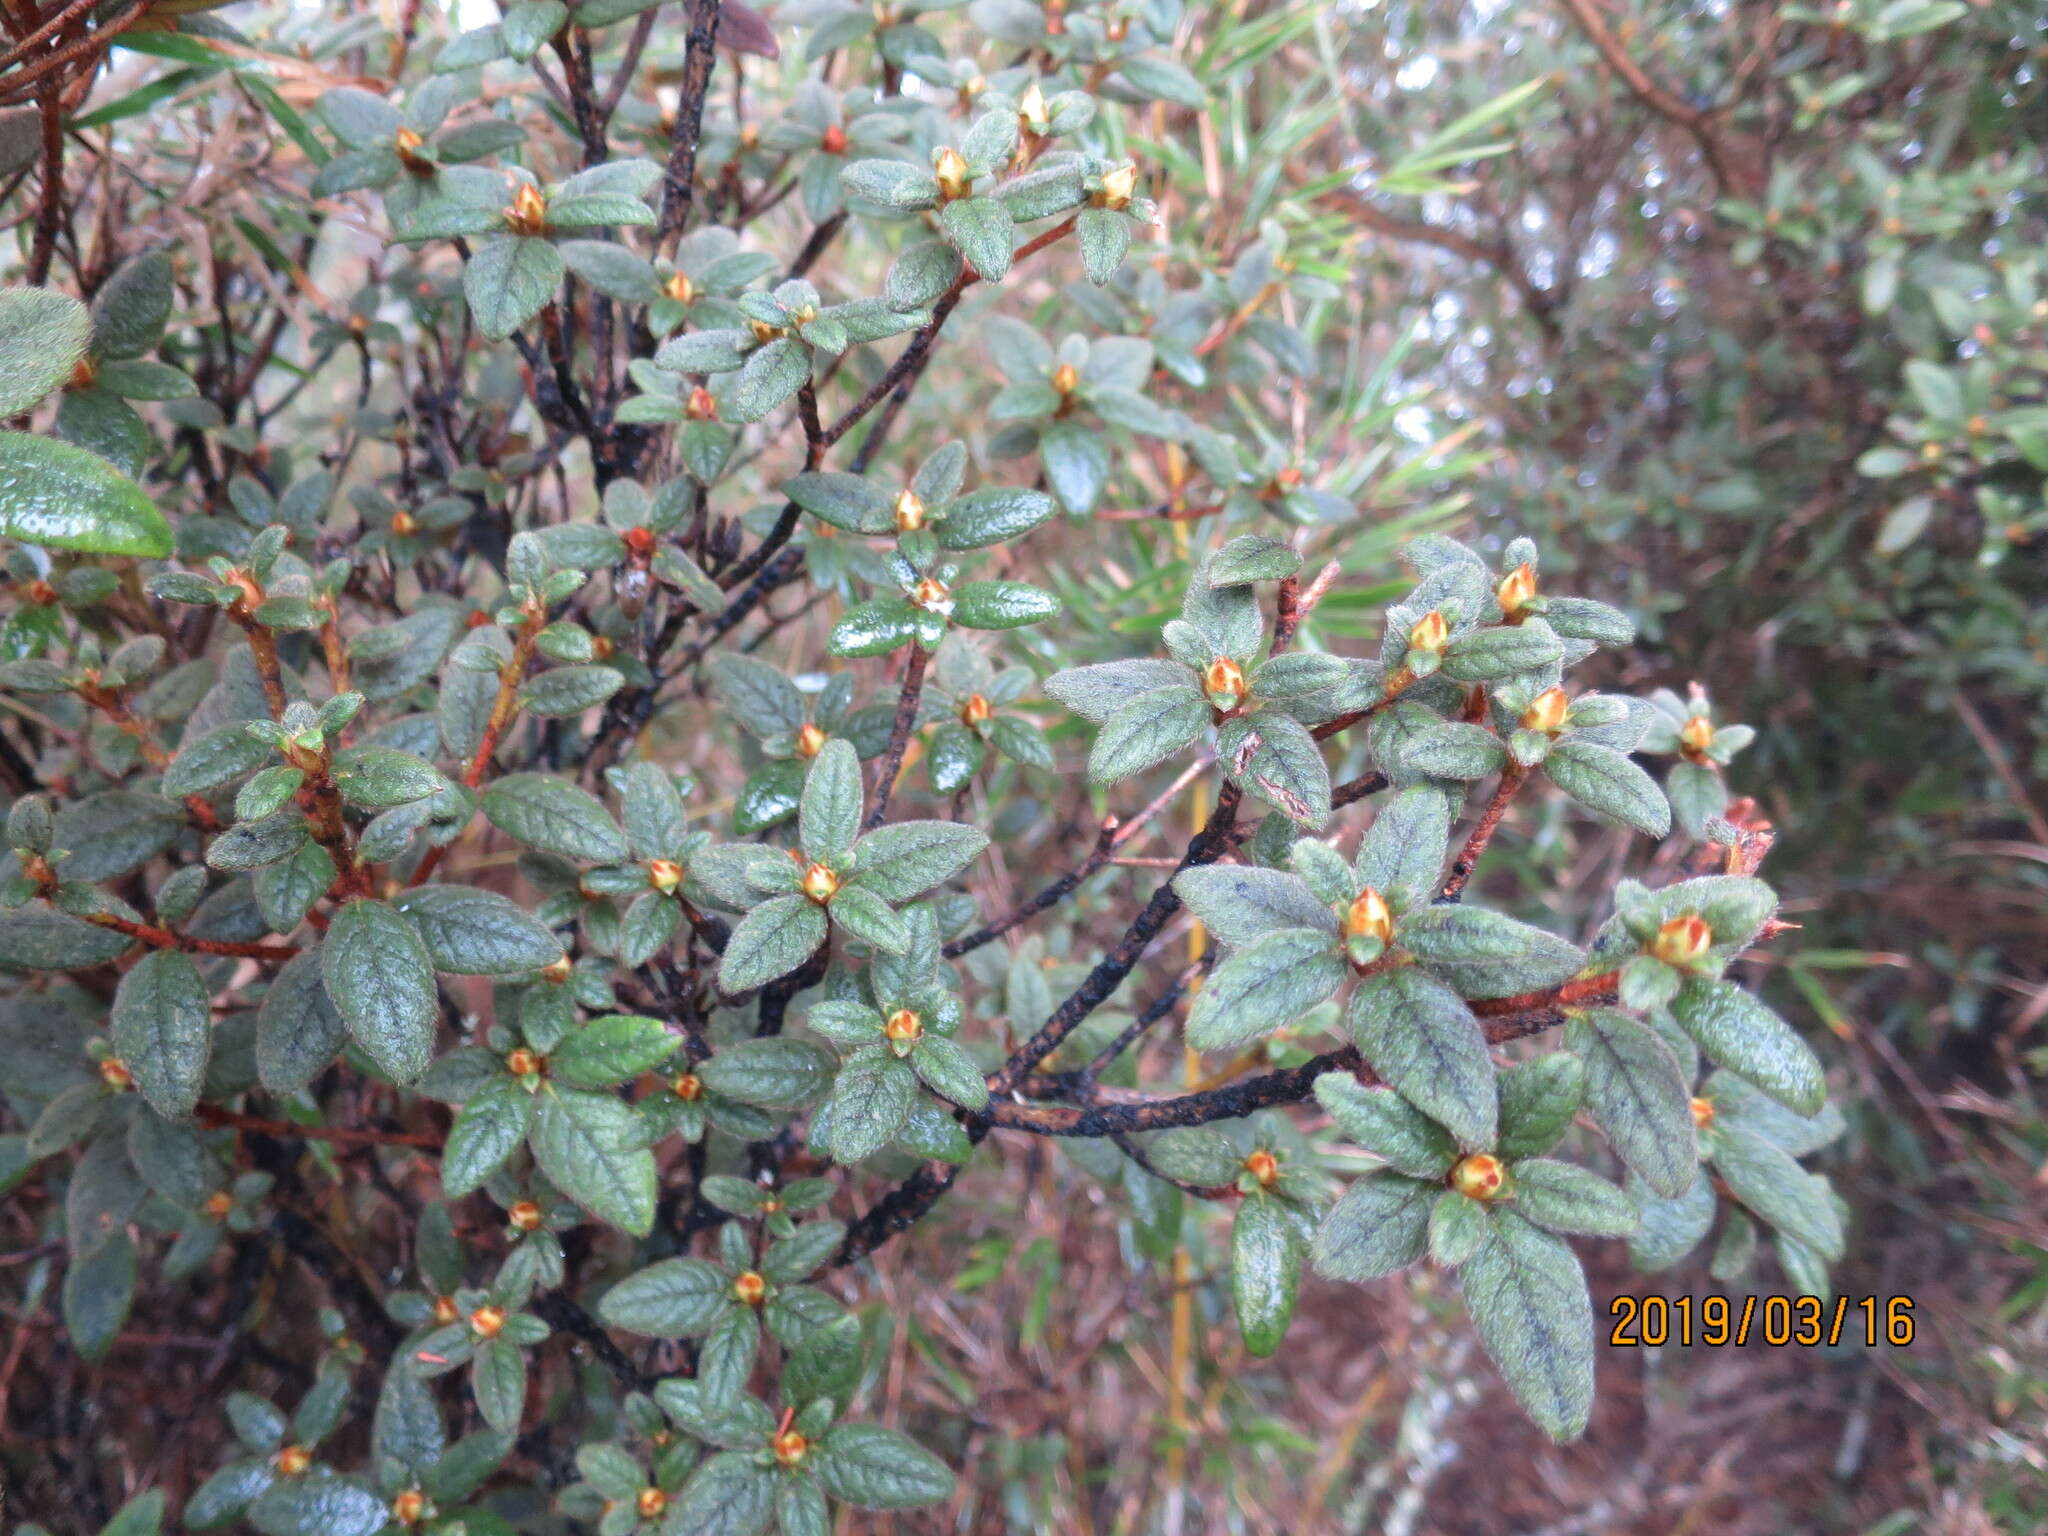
(1512, 778)
(163, 938)
(213, 1115)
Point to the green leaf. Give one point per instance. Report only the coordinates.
(774, 1073)
(298, 1028)
(99, 1288)
(907, 858)
(828, 817)
(473, 932)
(1105, 238)
(982, 231)
(163, 1029)
(1493, 654)
(318, 1504)
(43, 334)
(863, 915)
(1402, 856)
(1274, 756)
(588, 1144)
(1736, 1031)
(1146, 730)
(729, 1494)
(1609, 784)
(1637, 1096)
(851, 502)
(1380, 1226)
(1387, 1125)
(561, 692)
(1670, 1228)
(1527, 1296)
(949, 1071)
(487, 1130)
(1001, 604)
(382, 982)
(1458, 1228)
(770, 941)
(768, 378)
(1265, 1272)
(874, 628)
(554, 816)
(1767, 1180)
(497, 1376)
(1422, 1039)
(826, 1364)
(870, 1100)
(508, 281)
(672, 1299)
(1195, 1154)
(1483, 954)
(877, 1468)
(1251, 557)
(1272, 981)
(59, 495)
(1539, 1098)
(991, 515)
(1243, 902)
(1566, 1198)
(614, 1049)
(890, 183)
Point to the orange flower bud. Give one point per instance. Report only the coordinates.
(702, 405)
(1479, 1176)
(1066, 379)
(933, 595)
(1031, 111)
(445, 1311)
(909, 511)
(487, 1322)
(1224, 683)
(904, 1026)
(1516, 588)
(41, 593)
(820, 884)
(1546, 711)
(528, 214)
(790, 1448)
(1369, 917)
(1119, 186)
(524, 1062)
(651, 1503)
(1263, 1166)
(409, 1508)
(833, 142)
(83, 373)
(688, 1087)
(525, 1216)
(405, 141)
(951, 171)
(748, 1288)
(1697, 734)
(404, 523)
(681, 289)
(293, 1461)
(810, 741)
(1429, 633)
(558, 971)
(976, 710)
(763, 330)
(1703, 1113)
(1682, 940)
(115, 1074)
(664, 875)
(219, 1203)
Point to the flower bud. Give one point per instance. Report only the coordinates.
(1224, 683)
(409, 1508)
(1479, 1177)
(558, 971)
(403, 523)
(909, 511)
(681, 289)
(1369, 917)
(1516, 588)
(765, 330)
(688, 1087)
(748, 1288)
(1682, 941)
(833, 140)
(293, 1461)
(1702, 1113)
(524, 1062)
(445, 1310)
(219, 1204)
(115, 1074)
(702, 405)
(1697, 735)
(951, 171)
(1429, 633)
(487, 1322)
(1065, 379)
(904, 1027)
(1119, 186)
(664, 875)
(525, 1216)
(1031, 112)
(1546, 711)
(820, 883)
(528, 214)
(1264, 1167)
(976, 710)
(651, 1503)
(790, 1448)
(933, 595)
